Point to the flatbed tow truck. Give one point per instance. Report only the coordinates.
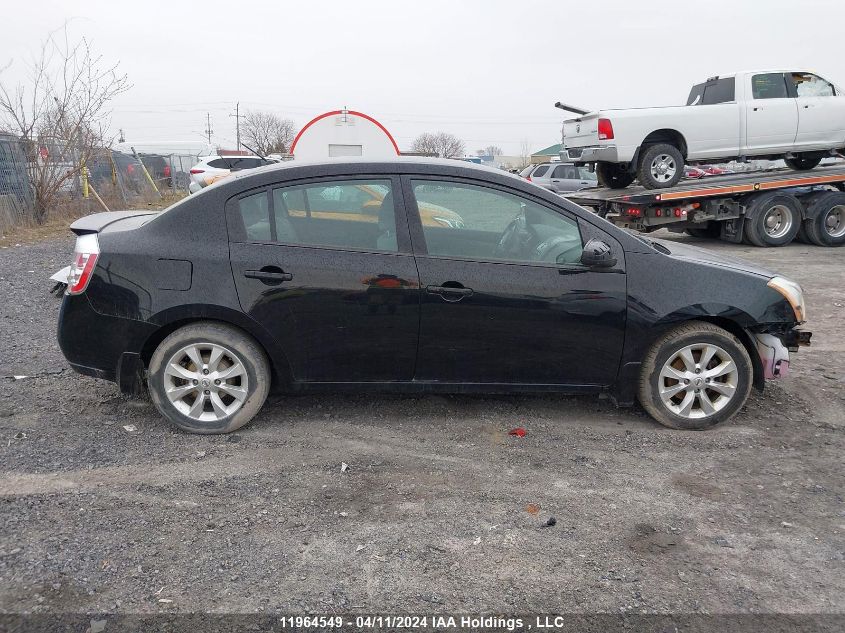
(769, 208)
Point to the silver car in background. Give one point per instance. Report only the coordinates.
(561, 177)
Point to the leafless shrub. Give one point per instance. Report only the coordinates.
(61, 114)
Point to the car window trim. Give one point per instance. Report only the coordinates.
(418, 243)
(237, 230)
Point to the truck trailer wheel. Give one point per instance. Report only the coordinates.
(772, 219)
(695, 376)
(661, 165)
(803, 162)
(613, 176)
(825, 223)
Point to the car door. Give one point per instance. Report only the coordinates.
(771, 115)
(331, 277)
(821, 112)
(504, 299)
(567, 178)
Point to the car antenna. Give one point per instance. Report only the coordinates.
(254, 152)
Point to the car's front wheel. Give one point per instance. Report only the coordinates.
(695, 376)
(209, 377)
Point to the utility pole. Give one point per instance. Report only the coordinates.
(238, 116)
(208, 129)
(121, 138)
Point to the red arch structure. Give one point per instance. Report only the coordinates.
(336, 112)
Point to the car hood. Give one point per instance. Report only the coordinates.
(704, 256)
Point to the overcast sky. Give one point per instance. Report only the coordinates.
(488, 71)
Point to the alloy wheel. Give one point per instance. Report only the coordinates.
(206, 382)
(698, 381)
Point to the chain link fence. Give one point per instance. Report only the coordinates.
(121, 180)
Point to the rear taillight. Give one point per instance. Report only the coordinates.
(197, 171)
(84, 259)
(605, 130)
(528, 178)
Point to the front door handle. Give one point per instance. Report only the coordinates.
(449, 293)
(269, 275)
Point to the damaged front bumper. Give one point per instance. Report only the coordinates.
(774, 350)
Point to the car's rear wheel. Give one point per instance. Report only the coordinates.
(660, 165)
(695, 376)
(803, 162)
(773, 219)
(613, 176)
(209, 377)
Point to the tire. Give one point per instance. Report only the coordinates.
(772, 219)
(660, 166)
(697, 336)
(803, 162)
(825, 223)
(711, 230)
(613, 176)
(226, 413)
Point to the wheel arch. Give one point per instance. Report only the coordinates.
(665, 135)
(732, 326)
(171, 320)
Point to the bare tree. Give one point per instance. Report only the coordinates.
(61, 114)
(490, 150)
(525, 152)
(442, 144)
(267, 133)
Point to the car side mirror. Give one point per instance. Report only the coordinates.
(597, 254)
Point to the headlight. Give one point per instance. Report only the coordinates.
(792, 292)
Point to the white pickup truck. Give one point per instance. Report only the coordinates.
(794, 115)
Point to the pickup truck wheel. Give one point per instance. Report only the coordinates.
(825, 223)
(661, 165)
(695, 376)
(803, 162)
(208, 378)
(773, 219)
(613, 176)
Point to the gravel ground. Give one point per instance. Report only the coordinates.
(439, 511)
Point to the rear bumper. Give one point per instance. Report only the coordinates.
(98, 345)
(593, 154)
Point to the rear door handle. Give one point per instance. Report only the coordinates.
(449, 293)
(269, 275)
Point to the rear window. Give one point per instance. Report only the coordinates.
(713, 92)
(769, 86)
(541, 170)
(219, 163)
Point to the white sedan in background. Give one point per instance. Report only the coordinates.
(212, 168)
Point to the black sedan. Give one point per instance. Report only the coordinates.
(412, 276)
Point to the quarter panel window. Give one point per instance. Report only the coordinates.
(494, 225)
(255, 213)
(354, 214)
(769, 86)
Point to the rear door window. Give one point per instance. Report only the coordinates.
(541, 171)
(347, 214)
(566, 172)
(713, 92)
(769, 86)
(255, 213)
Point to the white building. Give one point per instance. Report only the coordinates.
(343, 133)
